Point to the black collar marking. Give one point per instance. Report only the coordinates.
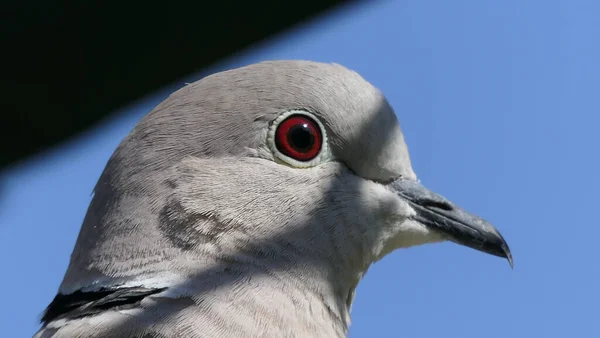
(81, 304)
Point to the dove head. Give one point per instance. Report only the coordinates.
(283, 167)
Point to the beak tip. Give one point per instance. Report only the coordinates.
(510, 261)
(508, 257)
(506, 250)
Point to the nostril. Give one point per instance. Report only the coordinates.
(436, 204)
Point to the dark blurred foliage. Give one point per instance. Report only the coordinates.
(69, 64)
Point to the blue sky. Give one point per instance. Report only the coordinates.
(499, 102)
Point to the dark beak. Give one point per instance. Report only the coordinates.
(459, 226)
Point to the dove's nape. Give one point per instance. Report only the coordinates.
(249, 204)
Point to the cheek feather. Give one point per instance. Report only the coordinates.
(394, 228)
(387, 204)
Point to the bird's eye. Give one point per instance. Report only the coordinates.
(297, 138)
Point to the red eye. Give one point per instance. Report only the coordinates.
(299, 137)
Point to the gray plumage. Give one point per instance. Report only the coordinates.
(199, 216)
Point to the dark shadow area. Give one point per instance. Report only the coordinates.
(68, 65)
(2, 193)
(168, 312)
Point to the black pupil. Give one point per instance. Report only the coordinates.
(300, 138)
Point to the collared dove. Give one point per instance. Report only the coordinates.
(250, 204)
